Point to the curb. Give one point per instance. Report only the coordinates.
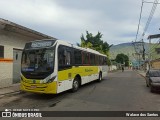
(141, 75)
(10, 89)
(8, 93)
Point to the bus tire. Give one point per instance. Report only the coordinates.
(100, 77)
(75, 85)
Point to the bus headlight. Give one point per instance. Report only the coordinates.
(52, 79)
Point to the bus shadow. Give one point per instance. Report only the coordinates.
(48, 97)
(43, 96)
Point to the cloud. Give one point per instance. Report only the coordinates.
(68, 19)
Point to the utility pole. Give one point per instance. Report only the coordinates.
(140, 50)
(143, 51)
(129, 61)
(149, 53)
(139, 61)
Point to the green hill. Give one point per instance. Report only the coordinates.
(125, 48)
(128, 49)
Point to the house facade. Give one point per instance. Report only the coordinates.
(12, 40)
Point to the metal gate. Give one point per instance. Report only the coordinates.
(17, 53)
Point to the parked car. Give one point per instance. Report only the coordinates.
(153, 79)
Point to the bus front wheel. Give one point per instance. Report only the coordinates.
(75, 85)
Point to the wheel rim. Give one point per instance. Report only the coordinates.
(75, 85)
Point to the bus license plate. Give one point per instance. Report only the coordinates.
(33, 87)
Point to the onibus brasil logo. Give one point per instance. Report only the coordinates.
(7, 113)
(21, 113)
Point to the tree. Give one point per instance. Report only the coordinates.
(95, 42)
(123, 59)
(108, 61)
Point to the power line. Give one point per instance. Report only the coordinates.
(150, 17)
(150, 2)
(139, 20)
(146, 25)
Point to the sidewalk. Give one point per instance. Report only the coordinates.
(142, 73)
(11, 89)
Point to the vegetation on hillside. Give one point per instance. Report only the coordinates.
(125, 48)
(122, 59)
(128, 49)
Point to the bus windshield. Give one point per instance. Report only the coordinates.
(38, 62)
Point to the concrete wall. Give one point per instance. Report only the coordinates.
(112, 67)
(10, 40)
(5, 74)
(13, 40)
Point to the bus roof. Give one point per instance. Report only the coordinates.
(80, 48)
(70, 45)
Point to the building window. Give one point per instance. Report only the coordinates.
(1, 51)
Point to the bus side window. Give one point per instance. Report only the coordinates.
(85, 58)
(92, 59)
(64, 57)
(61, 57)
(78, 57)
(67, 55)
(100, 60)
(96, 59)
(105, 60)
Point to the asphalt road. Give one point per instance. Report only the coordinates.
(119, 91)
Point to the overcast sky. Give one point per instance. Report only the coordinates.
(117, 20)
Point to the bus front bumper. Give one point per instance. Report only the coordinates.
(48, 88)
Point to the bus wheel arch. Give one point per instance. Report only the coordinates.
(76, 83)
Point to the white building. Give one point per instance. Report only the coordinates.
(12, 40)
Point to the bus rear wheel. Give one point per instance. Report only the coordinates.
(75, 85)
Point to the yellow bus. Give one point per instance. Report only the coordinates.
(54, 66)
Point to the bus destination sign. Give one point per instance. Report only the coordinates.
(41, 44)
